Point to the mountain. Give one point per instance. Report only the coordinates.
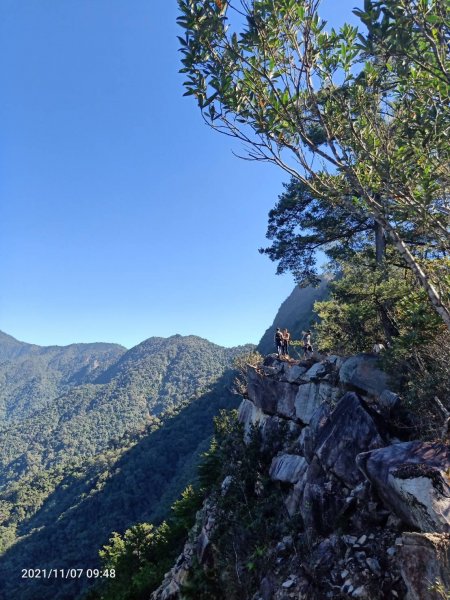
(108, 492)
(156, 376)
(295, 314)
(31, 375)
(108, 437)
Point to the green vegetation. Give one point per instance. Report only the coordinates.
(359, 117)
(105, 456)
(247, 512)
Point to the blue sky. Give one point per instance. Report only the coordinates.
(122, 215)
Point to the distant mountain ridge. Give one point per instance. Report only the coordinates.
(97, 438)
(72, 416)
(32, 375)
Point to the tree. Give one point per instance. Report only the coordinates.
(301, 224)
(361, 119)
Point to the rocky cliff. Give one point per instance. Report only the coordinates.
(367, 513)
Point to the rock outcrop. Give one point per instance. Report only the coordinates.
(413, 479)
(353, 488)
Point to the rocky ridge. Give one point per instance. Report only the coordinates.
(375, 510)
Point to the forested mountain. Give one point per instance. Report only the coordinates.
(116, 447)
(31, 375)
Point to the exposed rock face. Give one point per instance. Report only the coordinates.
(288, 468)
(425, 562)
(271, 395)
(310, 396)
(348, 431)
(413, 480)
(198, 545)
(362, 372)
(350, 486)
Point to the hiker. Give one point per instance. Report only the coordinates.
(286, 340)
(279, 342)
(378, 347)
(307, 347)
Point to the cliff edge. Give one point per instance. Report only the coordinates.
(356, 509)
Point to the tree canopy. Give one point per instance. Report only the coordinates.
(359, 116)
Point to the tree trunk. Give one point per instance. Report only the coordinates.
(380, 243)
(432, 293)
(423, 279)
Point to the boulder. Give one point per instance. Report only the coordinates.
(335, 360)
(412, 480)
(349, 430)
(288, 468)
(321, 500)
(310, 396)
(363, 373)
(294, 374)
(271, 395)
(388, 400)
(294, 498)
(315, 372)
(424, 561)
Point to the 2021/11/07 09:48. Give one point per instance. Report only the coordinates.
(67, 573)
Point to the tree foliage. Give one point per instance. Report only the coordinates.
(360, 117)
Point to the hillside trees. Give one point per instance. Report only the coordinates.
(361, 119)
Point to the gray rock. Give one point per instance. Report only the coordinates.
(271, 395)
(250, 415)
(310, 433)
(288, 468)
(348, 431)
(362, 372)
(374, 565)
(424, 560)
(267, 587)
(388, 400)
(360, 592)
(294, 374)
(362, 540)
(226, 485)
(315, 372)
(310, 396)
(412, 480)
(293, 499)
(335, 360)
(306, 401)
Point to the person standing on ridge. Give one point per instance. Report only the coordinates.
(307, 347)
(279, 342)
(378, 347)
(286, 340)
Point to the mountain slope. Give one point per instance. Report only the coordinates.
(112, 449)
(295, 314)
(154, 377)
(31, 375)
(109, 492)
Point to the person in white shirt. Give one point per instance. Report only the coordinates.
(378, 347)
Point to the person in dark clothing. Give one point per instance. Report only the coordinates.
(279, 342)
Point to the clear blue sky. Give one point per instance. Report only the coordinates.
(122, 215)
